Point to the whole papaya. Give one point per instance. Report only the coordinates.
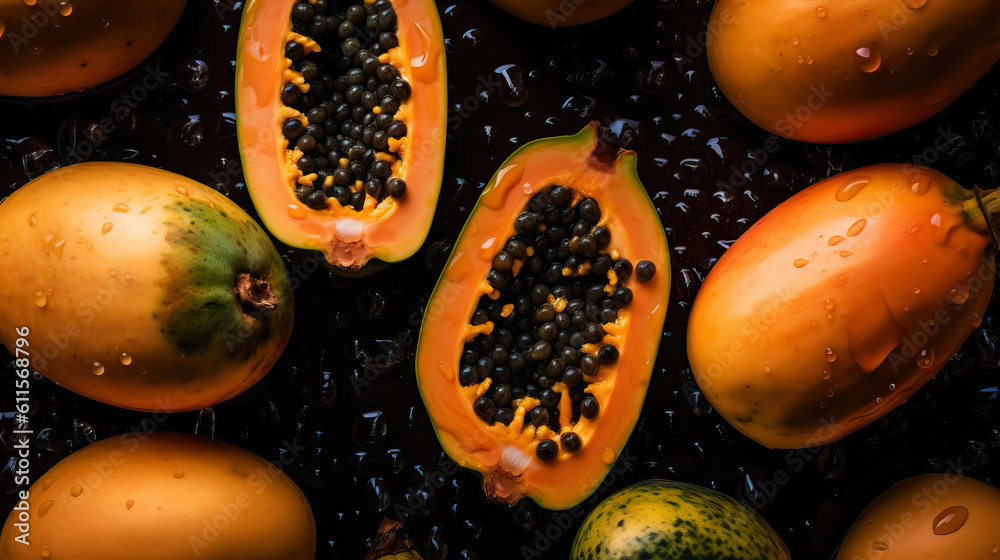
(841, 302)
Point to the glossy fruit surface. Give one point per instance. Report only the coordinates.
(388, 230)
(847, 71)
(925, 517)
(52, 47)
(163, 496)
(507, 455)
(666, 520)
(840, 303)
(140, 288)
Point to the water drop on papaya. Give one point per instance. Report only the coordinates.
(925, 358)
(97, 368)
(831, 356)
(950, 520)
(851, 188)
(867, 59)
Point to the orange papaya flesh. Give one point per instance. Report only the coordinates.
(341, 114)
(539, 339)
(841, 302)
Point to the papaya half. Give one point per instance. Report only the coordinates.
(139, 288)
(52, 47)
(841, 302)
(341, 113)
(539, 339)
(850, 70)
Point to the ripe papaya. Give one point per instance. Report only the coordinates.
(539, 339)
(140, 288)
(341, 121)
(841, 302)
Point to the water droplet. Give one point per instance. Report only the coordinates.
(834, 240)
(996, 549)
(795, 41)
(46, 484)
(959, 295)
(828, 392)
(831, 356)
(65, 8)
(857, 227)
(608, 455)
(104, 23)
(867, 59)
(40, 299)
(821, 12)
(914, 4)
(865, 11)
(125, 359)
(923, 260)
(976, 320)
(826, 374)
(142, 370)
(809, 60)
(182, 191)
(145, 209)
(193, 75)
(205, 424)
(799, 59)
(512, 84)
(845, 254)
(45, 507)
(186, 133)
(879, 545)
(925, 358)
(76, 490)
(36, 49)
(799, 263)
(892, 386)
(909, 51)
(129, 504)
(98, 368)
(878, 400)
(950, 520)
(828, 304)
(106, 228)
(178, 473)
(297, 212)
(46, 551)
(916, 290)
(851, 188)
(932, 49)
(120, 207)
(29, 2)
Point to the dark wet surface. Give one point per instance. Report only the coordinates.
(341, 409)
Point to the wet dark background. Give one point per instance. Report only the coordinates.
(341, 409)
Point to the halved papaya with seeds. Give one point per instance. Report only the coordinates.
(539, 339)
(341, 110)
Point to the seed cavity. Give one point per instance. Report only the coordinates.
(557, 289)
(344, 135)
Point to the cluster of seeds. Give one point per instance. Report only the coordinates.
(349, 96)
(555, 289)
